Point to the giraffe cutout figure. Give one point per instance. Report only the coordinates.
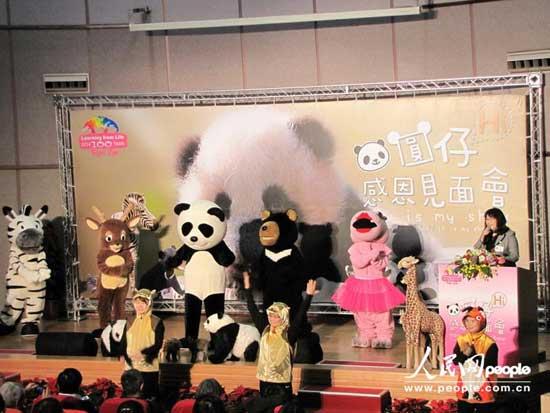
(418, 321)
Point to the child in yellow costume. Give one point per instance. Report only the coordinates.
(142, 342)
(279, 336)
(475, 391)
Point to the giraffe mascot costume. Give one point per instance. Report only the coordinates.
(418, 320)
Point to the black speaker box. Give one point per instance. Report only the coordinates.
(66, 344)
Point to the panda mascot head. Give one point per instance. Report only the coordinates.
(231, 341)
(201, 224)
(216, 322)
(111, 338)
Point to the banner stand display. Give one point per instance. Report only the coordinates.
(94, 141)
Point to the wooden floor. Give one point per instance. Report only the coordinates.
(335, 332)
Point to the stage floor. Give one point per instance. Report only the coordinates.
(336, 332)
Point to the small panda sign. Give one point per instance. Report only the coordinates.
(372, 156)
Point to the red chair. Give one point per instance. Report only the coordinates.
(73, 411)
(59, 397)
(12, 410)
(183, 406)
(111, 405)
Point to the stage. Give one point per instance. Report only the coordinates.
(344, 366)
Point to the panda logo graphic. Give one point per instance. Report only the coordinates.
(453, 309)
(372, 156)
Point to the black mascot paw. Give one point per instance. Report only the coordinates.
(6, 329)
(30, 329)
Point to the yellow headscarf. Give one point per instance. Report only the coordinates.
(141, 333)
(275, 360)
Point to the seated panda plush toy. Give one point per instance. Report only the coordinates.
(111, 339)
(230, 340)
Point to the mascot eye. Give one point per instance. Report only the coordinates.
(123, 237)
(381, 155)
(478, 318)
(366, 160)
(108, 238)
(21, 226)
(206, 230)
(186, 228)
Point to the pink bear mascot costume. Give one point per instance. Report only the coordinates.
(367, 293)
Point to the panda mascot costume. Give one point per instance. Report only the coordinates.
(230, 340)
(204, 256)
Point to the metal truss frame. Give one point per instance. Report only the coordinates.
(532, 83)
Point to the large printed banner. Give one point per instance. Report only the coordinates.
(432, 165)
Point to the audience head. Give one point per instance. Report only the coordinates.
(48, 405)
(131, 381)
(209, 386)
(130, 406)
(13, 394)
(69, 381)
(208, 403)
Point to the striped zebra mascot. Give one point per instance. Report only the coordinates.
(147, 221)
(27, 271)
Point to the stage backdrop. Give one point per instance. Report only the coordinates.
(433, 165)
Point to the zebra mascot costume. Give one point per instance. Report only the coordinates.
(147, 220)
(27, 271)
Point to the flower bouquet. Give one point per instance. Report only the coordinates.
(476, 263)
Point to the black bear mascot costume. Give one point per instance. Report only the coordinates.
(280, 270)
(205, 256)
(281, 275)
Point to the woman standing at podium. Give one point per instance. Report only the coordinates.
(498, 238)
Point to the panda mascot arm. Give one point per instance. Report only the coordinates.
(223, 255)
(183, 254)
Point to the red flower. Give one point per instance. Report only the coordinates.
(410, 405)
(443, 406)
(240, 393)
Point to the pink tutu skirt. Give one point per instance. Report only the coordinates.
(378, 295)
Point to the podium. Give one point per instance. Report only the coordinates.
(510, 303)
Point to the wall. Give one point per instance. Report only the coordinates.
(458, 40)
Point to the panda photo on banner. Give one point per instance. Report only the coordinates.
(248, 161)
